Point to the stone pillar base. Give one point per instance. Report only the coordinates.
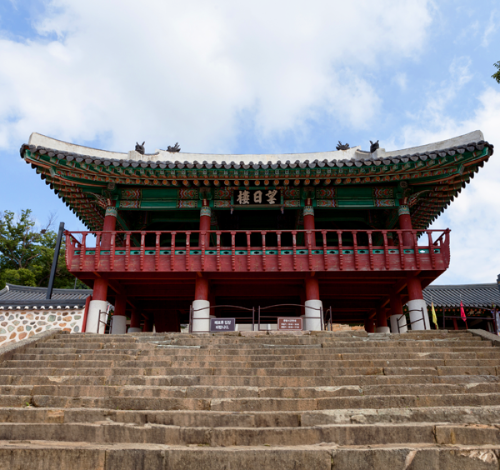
(119, 325)
(201, 316)
(415, 307)
(134, 329)
(93, 316)
(402, 324)
(383, 329)
(313, 320)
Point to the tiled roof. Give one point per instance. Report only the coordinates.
(226, 162)
(22, 296)
(472, 295)
(84, 178)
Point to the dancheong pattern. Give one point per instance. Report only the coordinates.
(219, 203)
(381, 193)
(291, 193)
(131, 194)
(130, 204)
(187, 204)
(384, 203)
(188, 194)
(292, 203)
(326, 203)
(222, 194)
(325, 193)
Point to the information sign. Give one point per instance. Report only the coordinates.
(222, 324)
(289, 323)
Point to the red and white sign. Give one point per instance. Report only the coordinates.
(289, 324)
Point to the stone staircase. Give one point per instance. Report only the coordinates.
(347, 400)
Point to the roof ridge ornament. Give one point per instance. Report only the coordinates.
(341, 146)
(175, 148)
(374, 146)
(139, 148)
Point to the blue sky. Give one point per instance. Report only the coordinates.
(255, 77)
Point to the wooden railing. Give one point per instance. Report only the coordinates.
(258, 250)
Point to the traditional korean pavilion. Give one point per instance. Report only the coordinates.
(174, 237)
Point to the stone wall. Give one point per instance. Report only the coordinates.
(16, 325)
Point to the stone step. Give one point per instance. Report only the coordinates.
(233, 371)
(252, 404)
(470, 342)
(279, 339)
(197, 391)
(62, 455)
(40, 352)
(246, 381)
(121, 433)
(303, 337)
(255, 365)
(340, 434)
(487, 415)
(102, 354)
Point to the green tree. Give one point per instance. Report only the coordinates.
(26, 254)
(496, 75)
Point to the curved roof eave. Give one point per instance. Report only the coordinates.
(163, 156)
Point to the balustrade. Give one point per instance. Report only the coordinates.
(258, 250)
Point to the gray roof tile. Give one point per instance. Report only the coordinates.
(472, 295)
(12, 296)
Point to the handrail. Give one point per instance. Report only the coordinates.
(277, 250)
(192, 310)
(99, 321)
(259, 316)
(412, 322)
(308, 231)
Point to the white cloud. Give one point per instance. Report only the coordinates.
(491, 28)
(165, 71)
(401, 80)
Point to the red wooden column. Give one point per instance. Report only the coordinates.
(382, 321)
(405, 224)
(148, 324)
(108, 226)
(135, 322)
(205, 219)
(313, 320)
(369, 325)
(396, 312)
(119, 326)
(100, 293)
(416, 303)
(309, 221)
(314, 307)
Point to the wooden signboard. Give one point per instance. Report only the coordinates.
(222, 324)
(289, 324)
(257, 197)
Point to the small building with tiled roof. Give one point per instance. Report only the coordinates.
(480, 301)
(25, 311)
